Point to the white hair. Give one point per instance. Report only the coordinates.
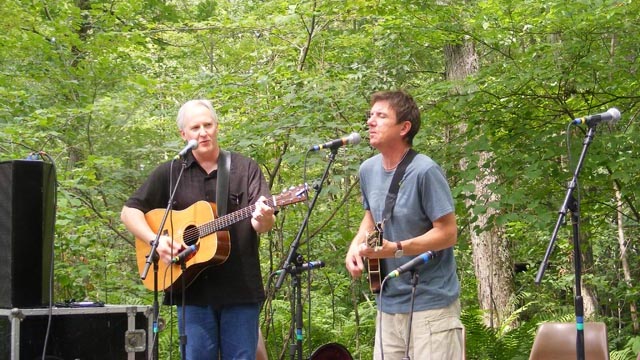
(193, 103)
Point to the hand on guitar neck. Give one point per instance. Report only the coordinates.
(374, 240)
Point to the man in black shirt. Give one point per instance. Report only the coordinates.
(222, 303)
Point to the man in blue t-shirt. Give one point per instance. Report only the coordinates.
(422, 220)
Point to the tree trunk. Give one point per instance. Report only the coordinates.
(491, 257)
(623, 255)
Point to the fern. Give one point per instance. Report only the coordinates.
(508, 341)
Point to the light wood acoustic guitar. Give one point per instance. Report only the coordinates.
(374, 241)
(198, 225)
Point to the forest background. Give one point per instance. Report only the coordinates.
(94, 86)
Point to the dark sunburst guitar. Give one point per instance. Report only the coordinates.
(198, 225)
(374, 241)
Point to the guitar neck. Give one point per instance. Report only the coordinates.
(229, 219)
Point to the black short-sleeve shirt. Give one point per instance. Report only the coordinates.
(238, 280)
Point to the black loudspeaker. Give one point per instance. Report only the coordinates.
(27, 213)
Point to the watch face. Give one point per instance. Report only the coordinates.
(399, 252)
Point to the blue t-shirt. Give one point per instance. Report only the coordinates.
(424, 196)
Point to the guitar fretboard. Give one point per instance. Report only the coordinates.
(191, 235)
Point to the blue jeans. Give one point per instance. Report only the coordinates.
(230, 332)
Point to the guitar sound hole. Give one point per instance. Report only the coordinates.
(191, 235)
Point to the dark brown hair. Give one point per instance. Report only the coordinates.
(405, 107)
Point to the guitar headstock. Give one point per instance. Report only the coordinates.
(374, 237)
(292, 195)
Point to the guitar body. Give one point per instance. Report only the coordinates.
(375, 275)
(182, 226)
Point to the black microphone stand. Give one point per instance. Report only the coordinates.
(414, 282)
(294, 261)
(572, 204)
(296, 307)
(153, 257)
(183, 332)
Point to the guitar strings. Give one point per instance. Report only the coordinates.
(192, 234)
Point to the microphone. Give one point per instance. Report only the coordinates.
(184, 255)
(191, 145)
(353, 138)
(305, 267)
(612, 115)
(311, 265)
(415, 262)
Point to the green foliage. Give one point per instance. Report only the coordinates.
(97, 85)
(483, 342)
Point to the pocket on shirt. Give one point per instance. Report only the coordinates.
(235, 201)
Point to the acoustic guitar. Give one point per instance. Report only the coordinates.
(198, 225)
(374, 241)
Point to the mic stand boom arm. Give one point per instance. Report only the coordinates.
(294, 260)
(572, 204)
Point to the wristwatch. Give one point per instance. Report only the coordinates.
(399, 253)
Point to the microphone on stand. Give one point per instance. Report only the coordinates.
(353, 138)
(415, 262)
(311, 265)
(306, 266)
(612, 115)
(191, 145)
(184, 255)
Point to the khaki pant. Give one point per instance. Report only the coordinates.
(435, 335)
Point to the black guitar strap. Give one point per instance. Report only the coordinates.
(222, 183)
(392, 195)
